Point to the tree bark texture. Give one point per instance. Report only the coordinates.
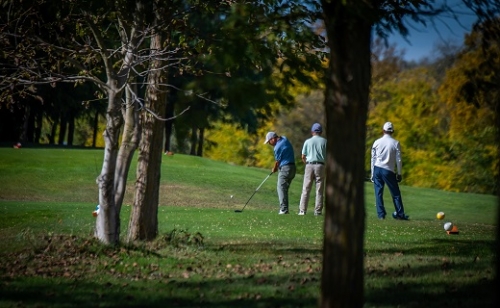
(496, 300)
(129, 144)
(193, 139)
(63, 126)
(169, 113)
(108, 220)
(143, 223)
(346, 105)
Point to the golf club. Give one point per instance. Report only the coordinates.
(239, 211)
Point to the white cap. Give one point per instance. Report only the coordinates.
(270, 136)
(388, 127)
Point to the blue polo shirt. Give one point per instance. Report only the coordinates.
(283, 152)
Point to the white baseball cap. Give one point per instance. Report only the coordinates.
(270, 136)
(388, 127)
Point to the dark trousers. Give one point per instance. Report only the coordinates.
(381, 177)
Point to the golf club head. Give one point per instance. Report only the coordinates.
(238, 211)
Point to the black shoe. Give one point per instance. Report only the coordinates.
(404, 217)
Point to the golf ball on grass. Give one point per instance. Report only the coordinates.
(440, 215)
(448, 226)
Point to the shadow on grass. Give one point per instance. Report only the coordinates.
(432, 280)
(22, 292)
(441, 247)
(424, 295)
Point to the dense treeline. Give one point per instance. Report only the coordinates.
(448, 143)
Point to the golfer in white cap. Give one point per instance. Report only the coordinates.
(284, 162)
(386, 168)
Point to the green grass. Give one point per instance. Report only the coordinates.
(209, 256)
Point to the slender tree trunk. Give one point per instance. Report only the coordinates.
(169, 113)
(143, 223)
(130, 141)
(71, 128)
(24, 132)
(53, 129)
(95, 129)
(201, 138)
(38, 126)
(30, 127)
(194, 138)
(63, 125)
(346, 104)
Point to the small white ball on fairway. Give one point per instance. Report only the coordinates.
(440, 215)
(447, 226)
(231, 196)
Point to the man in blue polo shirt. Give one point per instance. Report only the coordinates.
(284, 162)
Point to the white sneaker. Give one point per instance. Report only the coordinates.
(283, 212)
(301, 213)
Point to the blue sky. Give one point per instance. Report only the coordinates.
(447, 28)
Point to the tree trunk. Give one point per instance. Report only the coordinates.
(71, 129)
(23, 137)
(30, 127)
(38, 126)
(95, 128)
(130, 141)
(194, 138)
(143, 223)
(107, 220)
(169, 113)
(53, 130)
(63, 125)
(201, 137)
(496, 301)
(346, 104)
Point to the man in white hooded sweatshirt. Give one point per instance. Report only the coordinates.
(386, 168)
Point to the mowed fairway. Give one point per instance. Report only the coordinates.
(209, 256)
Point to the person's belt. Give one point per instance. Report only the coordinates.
(286, 165)
(315, 163)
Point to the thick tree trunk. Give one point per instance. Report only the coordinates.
(346, 103)
(496, 301)
(107, 220)
(143, 223)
